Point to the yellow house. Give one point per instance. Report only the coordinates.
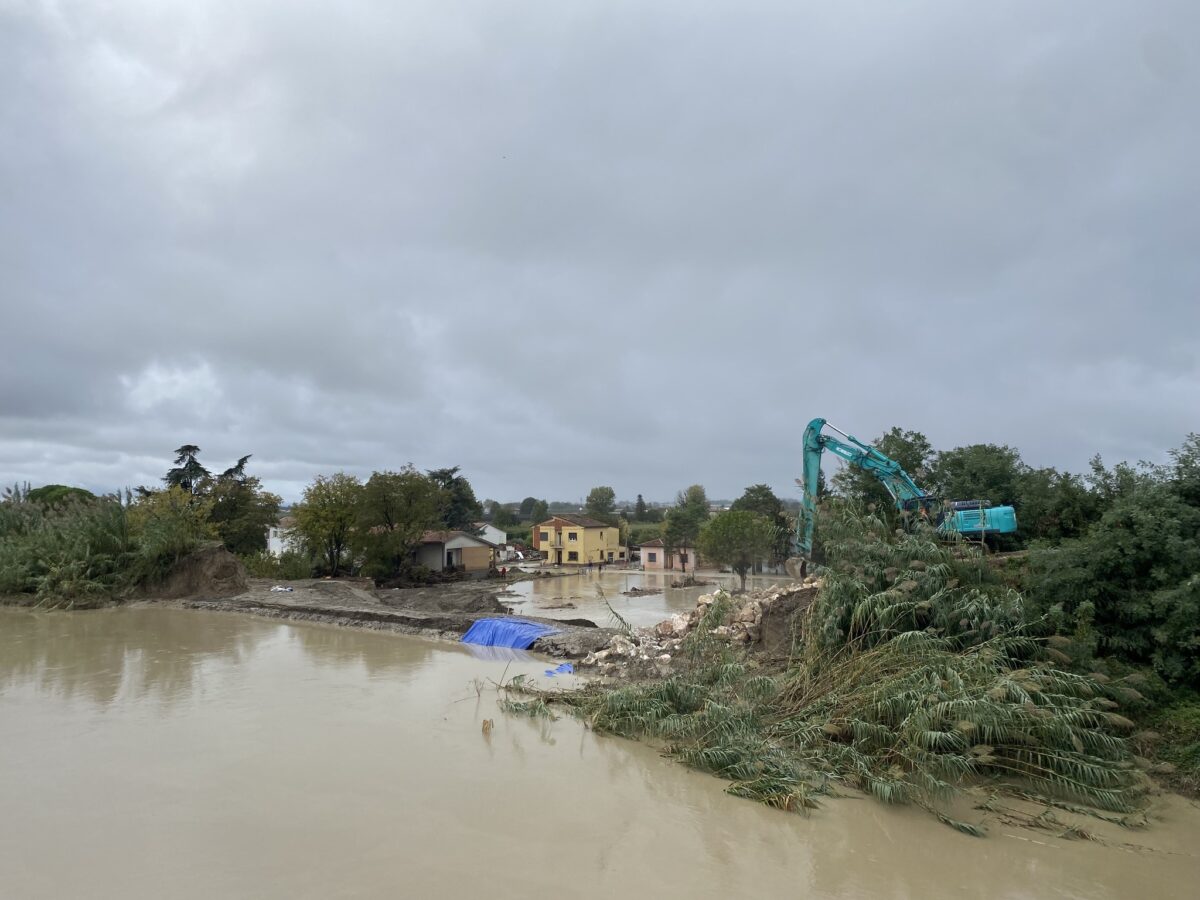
(578, 540)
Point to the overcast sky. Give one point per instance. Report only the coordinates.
(563, 244)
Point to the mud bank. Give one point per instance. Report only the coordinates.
(444, 612)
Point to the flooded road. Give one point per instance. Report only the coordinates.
(579, 595)
(170, 753)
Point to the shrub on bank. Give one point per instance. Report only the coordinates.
(291, 565)
(88, 551)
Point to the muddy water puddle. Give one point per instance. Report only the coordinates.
(583, 595)
(157, 752)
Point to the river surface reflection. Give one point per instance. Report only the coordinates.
(170, 753)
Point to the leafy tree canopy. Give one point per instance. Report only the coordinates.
(1130, 583)
(738, 539)
(188, 473)
(601, 504)
(326, 516)
(761, 500)
(977, 472)
(911, 449)
(684, 520)
(394, 510)
(460, 509)
(503, 516)
(56, 494)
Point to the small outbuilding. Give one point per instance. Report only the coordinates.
(656, 558)
(455, 551)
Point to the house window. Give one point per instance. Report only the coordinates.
(572, 556)
(622, 554)
(653, 557)
(602, 535)
(572, 536)
(545, 535)
(610, 556)
(683, 558)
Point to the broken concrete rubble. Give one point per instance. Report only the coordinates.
(763, 622)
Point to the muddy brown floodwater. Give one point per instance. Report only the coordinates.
(173, 753)
(550, 596)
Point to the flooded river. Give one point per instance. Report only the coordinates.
(170, 753)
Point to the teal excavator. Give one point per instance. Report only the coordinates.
(972, 519)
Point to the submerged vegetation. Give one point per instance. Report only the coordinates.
(915, 676)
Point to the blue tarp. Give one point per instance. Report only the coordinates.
(564, 669)
(515, 633)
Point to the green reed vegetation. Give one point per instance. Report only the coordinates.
(915, 676)
(83, 551)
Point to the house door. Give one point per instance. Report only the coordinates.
(558, 558)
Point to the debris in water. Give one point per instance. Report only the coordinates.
(641, 592)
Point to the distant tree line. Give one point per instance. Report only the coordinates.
(374, 527)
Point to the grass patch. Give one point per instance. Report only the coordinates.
(1178, 724)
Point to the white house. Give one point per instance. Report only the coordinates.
(494, 535)
(279, 536)
(491, 533)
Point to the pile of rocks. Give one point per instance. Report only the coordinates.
(649, 651)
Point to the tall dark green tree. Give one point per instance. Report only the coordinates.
(242, 512)
(540, 512)
(737, 538)
(526, 508)
(639, 510)
(325, 519)
(761, 500)
(503, 516)
(694, 499)
(188, 473)
(977, 472)
(1053, 505)
(911, 449)
(684, 521)
(394, 510)
(601, 504)
(460, 509)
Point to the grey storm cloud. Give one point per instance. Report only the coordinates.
(568, 244)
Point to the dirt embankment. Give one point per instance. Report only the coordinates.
(207, 574)
(443, 611)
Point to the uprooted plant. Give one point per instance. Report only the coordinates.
(914, 679)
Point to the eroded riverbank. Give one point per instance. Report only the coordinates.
(445, 611)
(154, 751)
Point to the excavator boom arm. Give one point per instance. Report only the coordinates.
(898, 483)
